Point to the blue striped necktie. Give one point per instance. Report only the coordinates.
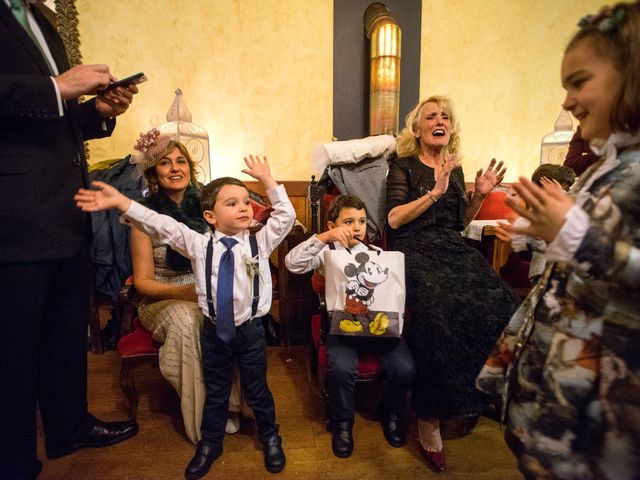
(225, 318)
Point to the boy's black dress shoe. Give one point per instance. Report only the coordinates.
(342, 439)
(201, 462)
(99, 434)
(274, 459)
(394, 429)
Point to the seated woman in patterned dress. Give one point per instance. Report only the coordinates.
(169, 309)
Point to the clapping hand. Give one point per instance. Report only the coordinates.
(551, 183)
(487, 181)
(547, 208)
(503, 231)
(442, 182)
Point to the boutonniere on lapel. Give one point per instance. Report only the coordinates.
(252, 265)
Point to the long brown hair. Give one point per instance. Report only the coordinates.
(618, 40)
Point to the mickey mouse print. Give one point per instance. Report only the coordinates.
(365, 292)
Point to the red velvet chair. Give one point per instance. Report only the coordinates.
(494, 207)
(136, 346)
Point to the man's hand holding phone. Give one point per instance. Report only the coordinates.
(134, 79)
(115, 99)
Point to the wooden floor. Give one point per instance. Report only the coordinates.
(161, 451)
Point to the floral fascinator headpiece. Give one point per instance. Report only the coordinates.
(607, 20)
(150, 148)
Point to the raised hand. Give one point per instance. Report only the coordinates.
(547, 208)
(103, 197)
(487, 181)
(259, 169)
(550, 183)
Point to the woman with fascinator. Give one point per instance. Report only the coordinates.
(165, 278)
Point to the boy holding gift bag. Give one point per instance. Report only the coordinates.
(347, 224)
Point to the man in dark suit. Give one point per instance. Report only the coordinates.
(44, 239)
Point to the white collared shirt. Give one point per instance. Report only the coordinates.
(44, 48)
(193, 245)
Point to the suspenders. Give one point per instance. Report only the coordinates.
(256, 278)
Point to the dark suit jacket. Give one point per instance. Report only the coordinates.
(42, 160)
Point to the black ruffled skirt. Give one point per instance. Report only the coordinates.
(458, 307)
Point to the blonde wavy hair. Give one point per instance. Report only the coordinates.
(408, 141)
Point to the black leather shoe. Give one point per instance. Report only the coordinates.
(99, 434)
(274, 458)
(201, 462)
(342, 439)
(394, 429)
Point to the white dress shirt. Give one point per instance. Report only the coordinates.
(44, 48)
(193, 245)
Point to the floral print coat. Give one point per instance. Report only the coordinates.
(568, 363)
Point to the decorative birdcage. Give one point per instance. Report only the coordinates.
(192, 136)
(556, 144)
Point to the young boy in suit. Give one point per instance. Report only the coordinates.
(233, 283)
(347, 223)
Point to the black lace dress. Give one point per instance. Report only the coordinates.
(458, 306)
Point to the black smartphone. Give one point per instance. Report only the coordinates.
(131, 80)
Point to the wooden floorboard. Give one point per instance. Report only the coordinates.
(161, 450)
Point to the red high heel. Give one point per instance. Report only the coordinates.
(435, 459)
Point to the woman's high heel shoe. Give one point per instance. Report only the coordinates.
(435, 459)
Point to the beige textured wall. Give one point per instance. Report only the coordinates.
(257, 74)
(499, 61)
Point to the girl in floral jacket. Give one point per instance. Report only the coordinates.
(568, 363)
